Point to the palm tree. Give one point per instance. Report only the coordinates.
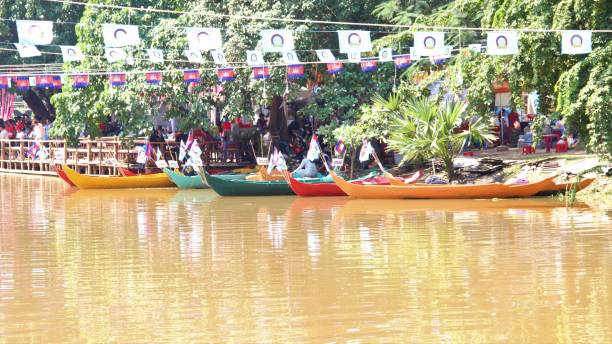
(423, 129)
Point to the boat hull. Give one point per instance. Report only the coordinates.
(185, 182)
(158, 180)
(232, 187)
(563, 187)
(62, 175)
(443, 191)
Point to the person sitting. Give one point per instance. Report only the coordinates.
(526, 139)
(3, 132)
(307, 169)
(572, 141)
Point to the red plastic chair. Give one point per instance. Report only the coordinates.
(561, 147)
(528, 149)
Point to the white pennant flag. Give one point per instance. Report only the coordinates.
(200, 38)
(117, 35)
(114, 54)
(428, 43)
(37, 32)
(218, 56)
(255, 58)
(27, 50)
(502, 43)
(385, 55)
(354, 56)
(313, 149)
(354, 41)
(71, 53)
(276, 41)
(325, 55)
(413, 55)
(575, 42)
(366, 151)
(448, 51)
(194, 56)
(475, 47)
(195, 150)
(290, 57)
(156, 55)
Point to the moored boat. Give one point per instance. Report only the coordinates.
(234, 187)
(566, 186)
(158, 180)
(62, 175)
(443, 191)
(185, 182)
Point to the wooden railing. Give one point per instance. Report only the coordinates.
(97, 157)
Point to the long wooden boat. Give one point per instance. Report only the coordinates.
(233, 187)
(185, 182)
(443, 191)
(62, 175)
(99, 182)
(126, 172)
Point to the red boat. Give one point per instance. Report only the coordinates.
(62, 174)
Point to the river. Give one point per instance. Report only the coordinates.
(170, 266)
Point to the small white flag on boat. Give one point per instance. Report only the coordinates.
(255, 58)
(182, 151)
(325, 55)
(114, 54)
(194, 56)
(313, 149)
(428, 43)
(71, 53)
(475, 47)
(277, 160)
(118, 35)
(200, 38)
(276, 41)
(354, 41)
(218, 56)
(38, 32)
(575, 42)
(156, 55)
(366, 151)
(385, 55)
(290, 57)
(27, 50)
(195, 150)
(502, 43)
(354, 56)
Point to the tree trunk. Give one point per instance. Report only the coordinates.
(278, 122)
(40, 104)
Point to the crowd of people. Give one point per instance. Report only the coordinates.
(24, 127)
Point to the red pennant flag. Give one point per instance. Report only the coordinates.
(295, 71)
(22, 83)
(191, 76)
(43, 81)
(118, 79)
(57, 82)
(261, 72)
(4, 82)
(335, 67)
(402, 61)
(154, 77)
(226, 74)
(80, 80)
(368, 65)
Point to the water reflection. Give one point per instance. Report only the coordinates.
(188, 266)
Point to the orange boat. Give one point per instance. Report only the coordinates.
(565, 186)
(444, 191)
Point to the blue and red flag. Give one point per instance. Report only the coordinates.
(295, 71)
(335, 68)
(153, 77)
(44, 81)
(118, 79)
(4, 82)
(437, 60)
(402, 61)
(191, 76)
(261, 72)
(226, 74)
(22, 83)
(148, 149)
(340, 148)
(56, 82)
(368, 65)
(80, 80)
(33, 150)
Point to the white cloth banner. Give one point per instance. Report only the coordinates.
(38, 32)
(115, 54)
(325, 55)
(27, 50)
(194, 56)
(156, 55)
(255, 58)
(290, 57)
(354, 41)
(385, 55)
(200, 38)
(448, 51)
(413, 55)
(502, 43)
(117, 35)
(575, 42)
(428, 43)
(71, 53)
(277, 41)
(218, 56)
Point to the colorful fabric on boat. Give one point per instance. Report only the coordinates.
(340, 148)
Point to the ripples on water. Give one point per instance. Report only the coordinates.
(172, 266)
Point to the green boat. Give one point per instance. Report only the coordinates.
(234, 187)
(185, 182)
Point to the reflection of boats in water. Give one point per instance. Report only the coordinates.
(365, 206)
(160, 194)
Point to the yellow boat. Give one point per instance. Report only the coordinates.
(158, 180)
(443, 191)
